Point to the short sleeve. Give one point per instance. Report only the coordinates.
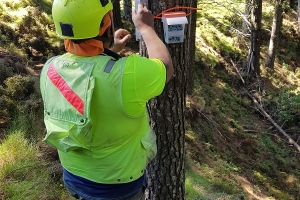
(143, 79)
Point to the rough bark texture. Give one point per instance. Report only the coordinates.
(127, 10)
(190, 47)
(254, 56)
(117, 14)
(275, 35)
(166, 173)
(298, 14)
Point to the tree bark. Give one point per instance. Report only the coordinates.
(190, 47)
(127, 10)
(117, 14)
(254, 53)
(166, 173)
(298, 14)
(275, 35)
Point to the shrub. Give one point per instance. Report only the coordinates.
(289, 107)
(19, 94)
(5, 71)
(19, 87)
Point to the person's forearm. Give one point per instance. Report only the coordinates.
(157, 49)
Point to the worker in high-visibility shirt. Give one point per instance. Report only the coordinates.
(95, 100)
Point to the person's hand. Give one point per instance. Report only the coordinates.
(142, 18)
(121, 37)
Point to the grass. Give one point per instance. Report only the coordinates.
(232, 152)
(23, 170)
(236, 133)
(204, 182)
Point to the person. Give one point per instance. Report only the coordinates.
(95, 100)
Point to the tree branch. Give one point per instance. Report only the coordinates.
(265, 114)
(237, 70)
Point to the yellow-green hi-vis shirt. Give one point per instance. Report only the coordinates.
(95, 114)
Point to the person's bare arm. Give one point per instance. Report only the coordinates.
(144, 21)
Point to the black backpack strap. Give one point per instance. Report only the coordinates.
(111, 62)
(112, 54)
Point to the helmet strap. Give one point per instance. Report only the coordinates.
(103, 38)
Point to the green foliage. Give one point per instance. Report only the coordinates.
(285, 106)
(23, 172)
(289, 106)
(276, 171)
(195, 184)
(5, 72)
(19, 95)
(16, 150)
(221, 146)
(27, 26)
(234, 130)
(19, 87)
(209, 182)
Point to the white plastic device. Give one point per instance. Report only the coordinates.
(174, 23)
(137, 32)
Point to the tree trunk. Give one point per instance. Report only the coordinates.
(166, 173)
(117, 14)
(298, 14)
(275, 35)
(127, 10)
(245, 26)
(190, 47)
(254, 54)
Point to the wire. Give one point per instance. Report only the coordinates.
(176, 7)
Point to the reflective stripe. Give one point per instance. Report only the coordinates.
(65, 90)
(109, 66)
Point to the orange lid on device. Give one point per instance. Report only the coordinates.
(174, 14)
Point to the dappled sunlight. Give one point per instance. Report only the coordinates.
(23, 174)
(206, 50)
(231, 151)
(287, 76)
(290, 23)
(251, 190)
(17, 16)
(21, 12)
(267, 9)
(210, 182)
(291, 179)
(16, 149)
(201, 181)
(189, 136)
(220, 84)
(282, 77)
(193, 189)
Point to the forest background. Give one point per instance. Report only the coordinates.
(232, 148)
